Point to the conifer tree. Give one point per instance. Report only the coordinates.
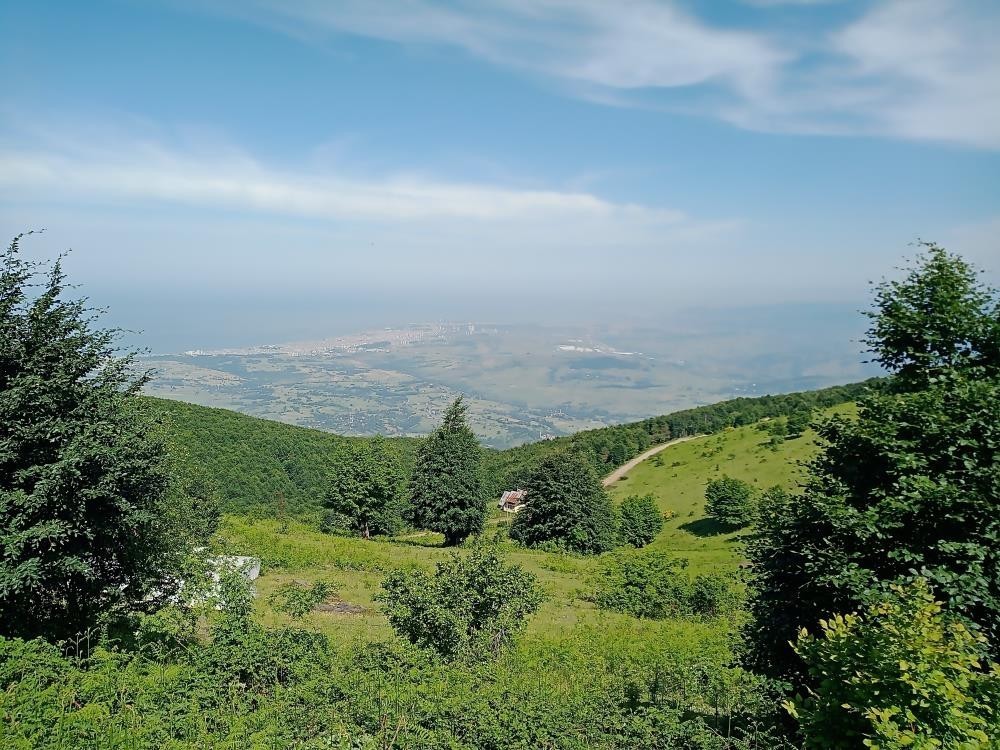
(82, 482)
(447, 486)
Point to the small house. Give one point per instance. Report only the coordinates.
(512, 501)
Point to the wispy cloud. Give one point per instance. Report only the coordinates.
(138, 169)
(916, 69)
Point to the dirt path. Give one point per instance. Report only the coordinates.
(624, 469)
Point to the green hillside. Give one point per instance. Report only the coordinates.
(609, 447)
(677, 478)
(251, 462)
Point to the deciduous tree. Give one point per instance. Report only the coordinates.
(908, 489)
(566, 506)
(639, 520)
(730, 500)
(365, 492)
(902, 674)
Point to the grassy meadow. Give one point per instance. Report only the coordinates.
(294, 552)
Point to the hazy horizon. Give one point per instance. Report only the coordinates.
(231, 173)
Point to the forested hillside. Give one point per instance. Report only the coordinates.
(608, 447)
(252, 462)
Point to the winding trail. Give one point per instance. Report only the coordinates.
(625, 468)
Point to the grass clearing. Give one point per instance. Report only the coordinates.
(567, 620)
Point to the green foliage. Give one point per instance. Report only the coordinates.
(797, 423)
(566, 507)
(607, 448)
(365, 494)
(298, 600)
(194, 506)
(714, 595)
(730, 500)
(656, 585)
(653, 585)
(249, 687)
(447, 488)
(903, 675)
(252, 461)
(471, 608)
(937, 319)
(908, 489)
(83, 528)
(639, 520)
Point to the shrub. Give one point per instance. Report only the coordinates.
(639, 520)
(713, 595)
(730, 500)
(650, 585)
(297, 600)
(471, 608)
(654, 585)
(903, 674)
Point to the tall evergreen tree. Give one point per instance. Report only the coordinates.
(566, 505)
(911, 487)
(366, 488)
(82, 482)
(447, 488)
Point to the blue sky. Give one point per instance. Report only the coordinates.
(358, 162)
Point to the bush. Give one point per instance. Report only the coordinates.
(639, 520)
(655, 586)
(903, 674)
(470, 609)
(651, 585)
(730, 500)
(298, 600)
(713, 595)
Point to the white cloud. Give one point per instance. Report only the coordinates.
(140, 171)
(630, 44)
(916, 69)
(928, 68)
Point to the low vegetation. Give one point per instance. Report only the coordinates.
(471, 608)
(639, 520)
(656, 585)
(903, 674)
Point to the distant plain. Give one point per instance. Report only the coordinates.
(522, 382)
